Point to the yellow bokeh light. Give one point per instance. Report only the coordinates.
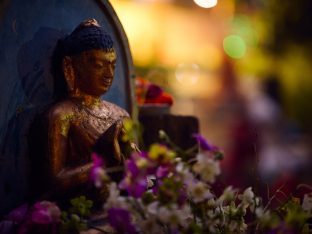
(187, 73)
(206, 3)
(142, 34)
(191, 81)
(166, 34)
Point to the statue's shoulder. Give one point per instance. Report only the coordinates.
(60, 110)
(115, 109)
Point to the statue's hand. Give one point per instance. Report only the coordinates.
(108, 144)
(117, 132)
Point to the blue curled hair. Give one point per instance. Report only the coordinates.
(87, 37)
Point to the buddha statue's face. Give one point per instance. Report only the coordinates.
(94, 71)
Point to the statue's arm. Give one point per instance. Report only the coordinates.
(63, 177)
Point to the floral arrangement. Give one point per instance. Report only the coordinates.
(167, 190)
(150, 93)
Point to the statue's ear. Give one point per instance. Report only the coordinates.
(69, 73)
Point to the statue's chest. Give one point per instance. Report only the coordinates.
(86, 127)
(93, 122)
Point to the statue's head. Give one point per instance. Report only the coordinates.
(89, 60)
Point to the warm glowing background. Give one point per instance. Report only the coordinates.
(235, 64)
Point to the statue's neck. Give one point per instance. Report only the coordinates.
(87, 100)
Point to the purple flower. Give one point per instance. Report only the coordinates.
(45, 212)
(134, 186)
(137, 170)
(283, 228)
(18, 215)
(44, 217)
(97, 160)
(162, 171)
(153, 91)
(182, 197)
(203, 143)
(132, 168)
(97, 172)
(119, 219)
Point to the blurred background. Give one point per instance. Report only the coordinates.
(243, 67)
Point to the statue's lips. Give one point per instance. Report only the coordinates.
(107, 82)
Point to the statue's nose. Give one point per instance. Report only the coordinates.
(111, 69)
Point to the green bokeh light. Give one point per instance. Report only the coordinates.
(243, 26)
(234, 46)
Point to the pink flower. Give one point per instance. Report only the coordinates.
(45, 212)
(43, 217)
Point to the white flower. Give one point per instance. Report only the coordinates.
(99, 176)
(185, 174)
(259, 212)
(237, 227)
(243, 228)
(169, 216)
(186, 215)
(247, 197)
(199, 191)
(114, 199)
(150, 182)
(255, 204)
(307, 203)
(228, 195)
(180, 167)
(152, 208)
(262, 215)
(172, 215)
(113, 191)
(218, 210)
(150, 226)
(233, 226)
(212, 203)
(210, 214)
(206, 167)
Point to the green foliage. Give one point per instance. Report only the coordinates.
(73, 221)
(193, 228)
(294, 215)
(131, 131)
(169, 191)
(269, 221)
(148, 198)
(81, 206)
(131, 135)
(184, 154)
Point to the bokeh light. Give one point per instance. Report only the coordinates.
(243, 26)
(187, 73)
(206, 3)
(234, 46)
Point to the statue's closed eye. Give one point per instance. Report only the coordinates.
(99, 65)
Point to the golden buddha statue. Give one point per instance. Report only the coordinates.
(82, 122)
